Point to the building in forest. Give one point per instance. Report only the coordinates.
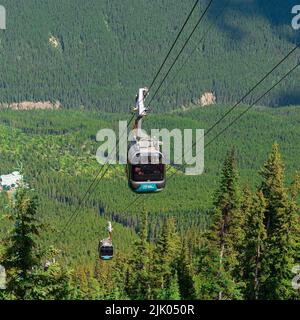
(10, 181)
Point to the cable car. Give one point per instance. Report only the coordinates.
(106, 249)
(146, 169)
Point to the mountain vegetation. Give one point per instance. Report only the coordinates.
(231, 233)
(95, 54)
(227, 239)
(243, 253)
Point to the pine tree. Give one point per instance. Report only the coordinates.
(280, 218)
(31, 272)
(247, 203)
(52, 283)
(139, 282)
(20, 258)
(228, 230)
(173, 291)
(165, 257)
(220, 258)
(185, 275)
(246, 206)
(118, 274)
(273, 187)
(294, 215)
(254, 249)
(82, 283)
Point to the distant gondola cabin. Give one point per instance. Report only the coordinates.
(106, 249)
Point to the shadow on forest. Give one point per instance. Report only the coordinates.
(288, 98)
(277, 12)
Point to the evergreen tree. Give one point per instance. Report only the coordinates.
(281, 217)
(165, 257)
(254, 249)
(173, 291)
(118, 275)
(82, 282)
(29, 274)
(20, 255)
(228, 230)
(294, 193)
(246, 206)
(221, 255)
(51, 283)
(139, 282)
(185, 274)
(294, 214)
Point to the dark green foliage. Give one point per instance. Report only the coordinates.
(185, 274)
(29, 275)
(108, 49)
(55, 150)
(52, 283)
(272, 235)
(166, 255)
(282, 226)
(105, 51)
(255, 246)
(173, 291)
(225, 239)
(139, 281)
(162, 270)
(21, 253)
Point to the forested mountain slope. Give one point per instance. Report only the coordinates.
(96, 54)
(56, 150)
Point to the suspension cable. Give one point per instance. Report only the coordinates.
(96, 181)
(173, 45)
(235, 106)
(182, 49)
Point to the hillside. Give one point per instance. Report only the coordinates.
(95, 54)
(69, 68)
(56, 150)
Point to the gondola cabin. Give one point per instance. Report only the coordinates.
(146, 168)
(106, 249)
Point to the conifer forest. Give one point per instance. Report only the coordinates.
(70, 68)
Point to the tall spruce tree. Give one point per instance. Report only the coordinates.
(228, 230)
(294, 207)
(173, 290)
(20, 254)
(246, 207)
(221, 256)
(280, 219)
(139, 281)
(185, 274)
(32, 273)
(165, 257)
(254, 249)
(294, 213)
